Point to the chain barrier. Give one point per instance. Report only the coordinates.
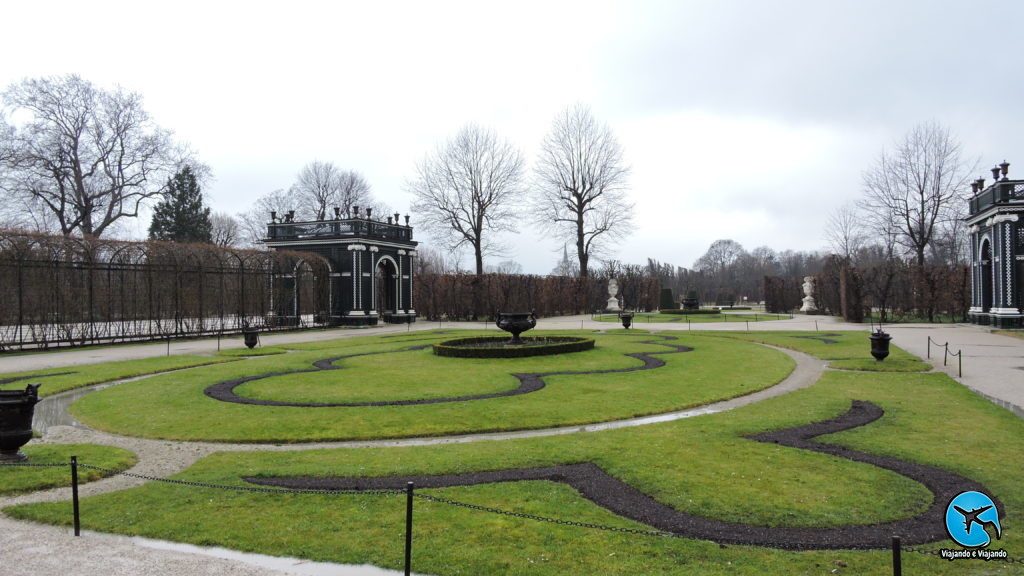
(635, 531)
(257, 489)
(946, 354)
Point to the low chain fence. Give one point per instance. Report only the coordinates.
(411, 496)
(946, 354)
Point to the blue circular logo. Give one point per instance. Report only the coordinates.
(967, 517)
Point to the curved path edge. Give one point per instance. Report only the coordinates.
(596, 485)
(163, 458)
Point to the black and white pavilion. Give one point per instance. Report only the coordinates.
(371, 263)
(996, 220)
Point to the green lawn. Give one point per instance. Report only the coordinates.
(845, 350)
(174, 406)
(22, 479)
(56, 380)
(701, 465)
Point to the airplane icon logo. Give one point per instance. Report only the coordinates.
(967, 510)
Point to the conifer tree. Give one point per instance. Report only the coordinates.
(181, 215)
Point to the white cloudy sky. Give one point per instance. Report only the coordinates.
(749, 120)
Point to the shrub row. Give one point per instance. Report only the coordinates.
(481, 347)
(681, 312)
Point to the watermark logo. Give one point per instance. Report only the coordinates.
(969, 519)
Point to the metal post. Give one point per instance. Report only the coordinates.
(815, 325)
(929, 355)
(168, 345)
(748, 325)
(408, 528)
(74, 495)
(945, 354)
(960, 364)
(897, 564)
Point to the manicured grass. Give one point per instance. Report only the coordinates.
(653, 317)
(846, 350)
(56, 380)
(21, 479)
(174, 406)
(702, 465)
(248, 352)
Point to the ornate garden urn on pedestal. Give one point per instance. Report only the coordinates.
(16, 410)
(880, 344)
(613, 290)
(516, 323)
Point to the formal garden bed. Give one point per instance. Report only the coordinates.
(392, 387)
(709, 467)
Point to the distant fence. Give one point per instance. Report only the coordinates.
(64, 291)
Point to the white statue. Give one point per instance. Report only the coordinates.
(809, 306)
(613, 290)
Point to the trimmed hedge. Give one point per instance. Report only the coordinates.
(681, 312)
(477, 347)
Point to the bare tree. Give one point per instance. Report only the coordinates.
(253, 223)
(321, 186)
(581, 185)
(506, 267)
(88, 157)
(468, 188)
(844, 232)
(226, 229)
(918, 184)
(720, 255)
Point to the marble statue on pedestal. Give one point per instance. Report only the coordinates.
(809, 306)
(613, 302)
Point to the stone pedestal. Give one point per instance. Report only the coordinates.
(613, 302)
(809, 306)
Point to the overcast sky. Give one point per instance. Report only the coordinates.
(750, 120)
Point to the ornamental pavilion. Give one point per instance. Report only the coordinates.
(371, 263)
(996, 221)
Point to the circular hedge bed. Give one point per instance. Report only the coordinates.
(498, 347)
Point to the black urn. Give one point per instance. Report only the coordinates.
(627, 319)
(251, 336)
(516, 323)
(16, 410)
(880, 344)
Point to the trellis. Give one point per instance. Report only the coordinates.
(65, 291)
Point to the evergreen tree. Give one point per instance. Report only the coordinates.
(181, 216)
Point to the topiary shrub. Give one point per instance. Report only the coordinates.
(497, 347)
(667, 299)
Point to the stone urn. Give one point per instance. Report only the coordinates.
(516, 323)
(627, 319)
(880, 344)
(251, 337)
(16, 410)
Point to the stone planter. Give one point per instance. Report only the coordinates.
(251, 336)
(16, 410)
(516, 323)
(627, 319)
(880, 344)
